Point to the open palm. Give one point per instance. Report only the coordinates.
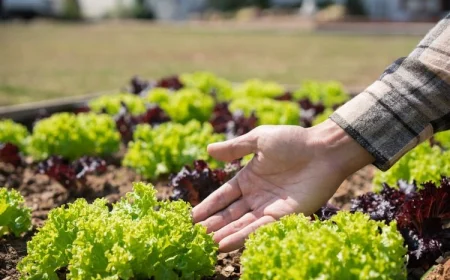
(291, 172)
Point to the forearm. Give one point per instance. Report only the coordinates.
(339, 148)
(409, 103)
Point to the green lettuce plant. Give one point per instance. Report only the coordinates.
(15, 217)
(159, 95)
(112, 103)
(267, 110)
(422, 164)
(258, 89)
(73, 136)
(323, 116)
(140, 238)
(348, 246)
(183, 105)
(208, 83)
(14, 133)
(168, 147)
(329, 93)
(443, 138)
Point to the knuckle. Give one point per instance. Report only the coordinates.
(227, 216)
(234, 151)
(237, 225)
(218, 199)
(255, 227)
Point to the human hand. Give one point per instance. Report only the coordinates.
(294, 170)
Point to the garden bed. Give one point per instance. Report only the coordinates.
(43, 194)
(157, 133)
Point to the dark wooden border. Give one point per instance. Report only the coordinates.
(24, 113)
(27, 111)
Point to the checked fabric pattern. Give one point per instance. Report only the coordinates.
(407, 105)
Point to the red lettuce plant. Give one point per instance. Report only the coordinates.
(10, 153)
(127, 122)
(195, 184)
(233, 125)
(310, 111)
(69, 174)
(423, 217)
(287, 96)
(170, 82)
(424, 220)
(138, 85)
(385, 204)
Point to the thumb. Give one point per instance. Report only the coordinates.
(234, 148)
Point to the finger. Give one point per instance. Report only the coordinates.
(233, 212)
(235, 148)
(218, 200)
(237, 240)
(235, 226)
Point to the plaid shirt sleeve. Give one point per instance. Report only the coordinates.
(407, 105)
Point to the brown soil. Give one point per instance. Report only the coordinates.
(43, 194)
(228, 266)
(440, 271)
(12, 250)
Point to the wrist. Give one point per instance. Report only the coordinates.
(333, 143)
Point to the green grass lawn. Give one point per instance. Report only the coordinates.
(46, 60)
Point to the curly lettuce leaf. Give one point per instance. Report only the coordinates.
(15, 217)
(73, 136)
(13, 133)
(323, 116)
(348, 246)
(443, 138)
(329, 93)
(268, 111)
(112, 103)
(208, 83)
(424, 163)
(258, 89)
(140, 238)
(183, 105)
(168, 147)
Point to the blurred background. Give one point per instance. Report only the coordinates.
(57, 48)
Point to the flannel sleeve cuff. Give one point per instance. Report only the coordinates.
(382, 125)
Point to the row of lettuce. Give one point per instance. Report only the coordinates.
(143, 238)
(194, 95)
(140, 237)
(401, 226)
(166, 148)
